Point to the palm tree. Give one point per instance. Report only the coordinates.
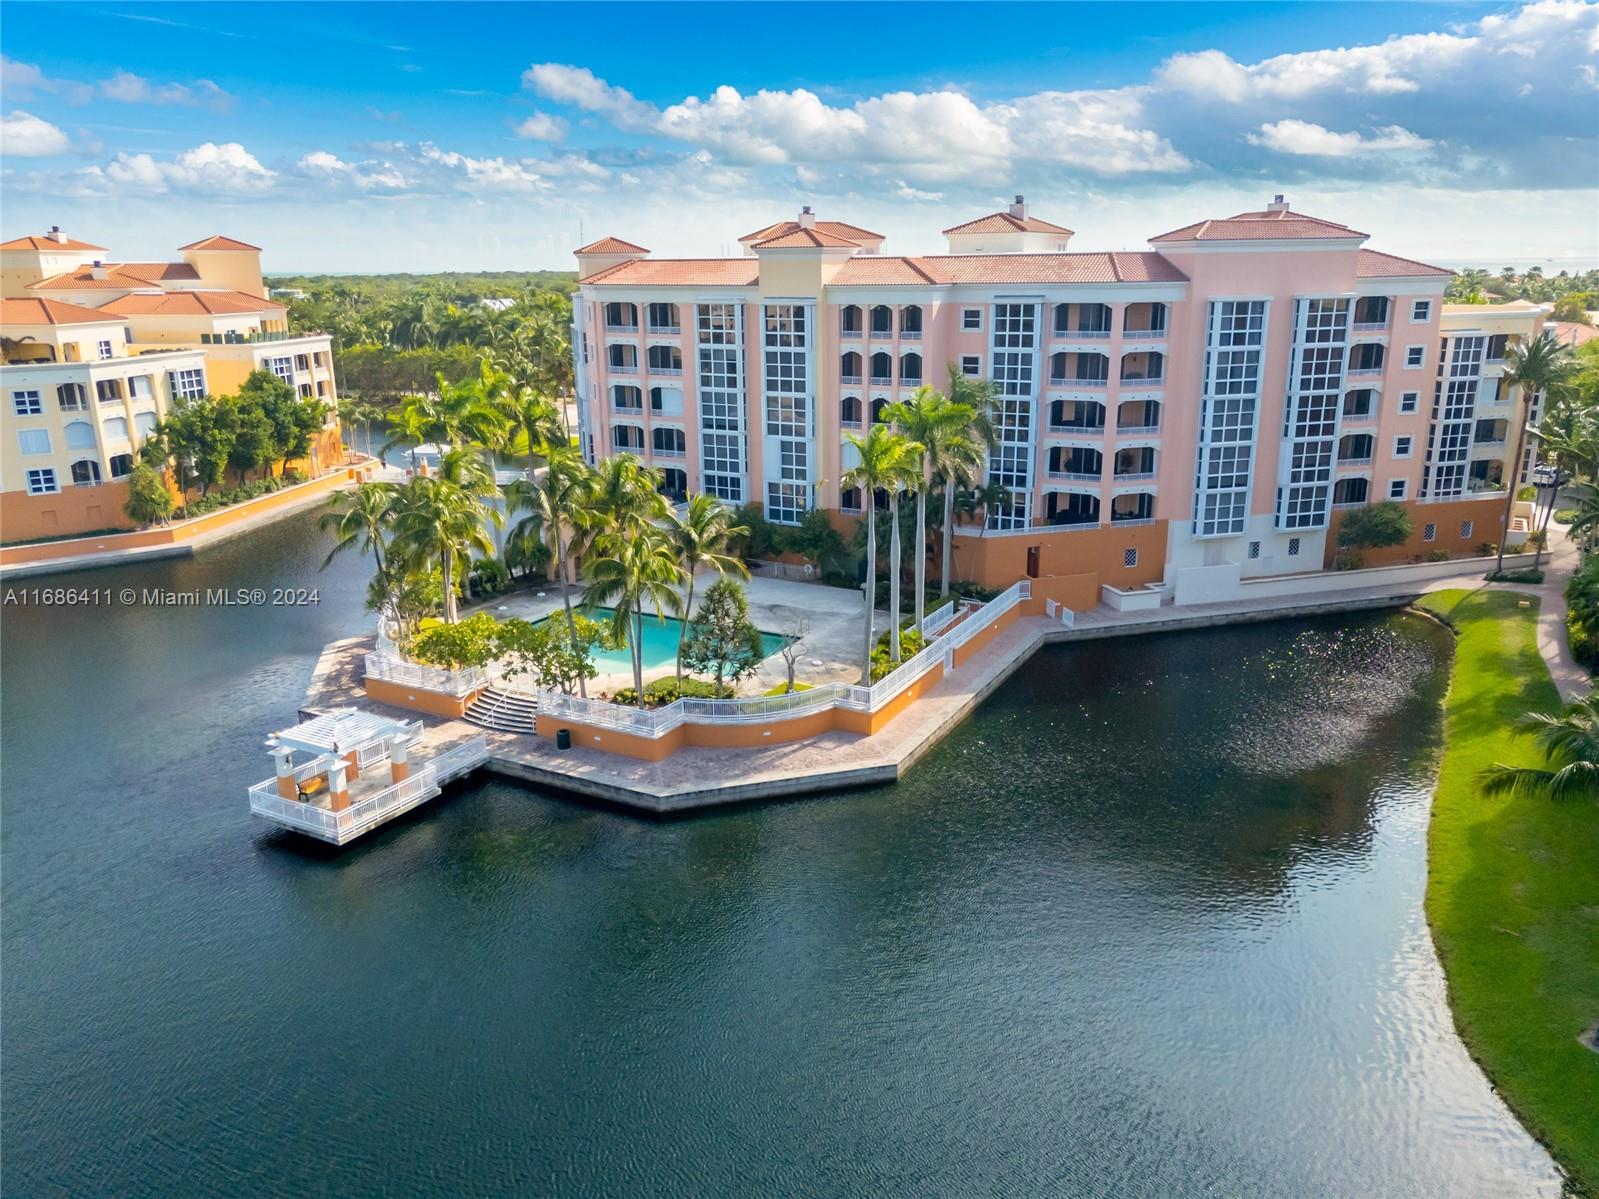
(625, 495)
(633, 569)
(1570, 743)
(883, 456)
(699, 537)
(961, 455)
(360, 519)
(530, 418)
(1540, 365)
(556, 505)
(906, 478)
(943, 428)
(444, 517)
(411, 424)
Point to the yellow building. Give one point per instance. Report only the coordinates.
(97, 352)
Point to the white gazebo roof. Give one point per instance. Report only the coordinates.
(338, 731)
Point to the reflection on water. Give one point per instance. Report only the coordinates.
(1149, 924)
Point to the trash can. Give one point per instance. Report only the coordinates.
(563, 738)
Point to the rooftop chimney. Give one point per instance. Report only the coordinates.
(807, 218)
(55, 233)
(1278, 204)
(1019, 208)
(97, 270)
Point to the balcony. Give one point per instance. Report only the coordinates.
(1080, 384)
(1125, 521)
(1343, 462)
(1359, 418)
(1076, 430)
(633, 328)
(847, 379)
(1364, 372)
(663, 330)
(880, 380)
(1369, 327)
(1132, 476)
(617, 369)
(667, 372)
(660, 453)
(1081, 334)
(1144, 381)
(1143, 335)
(1073, 476)
(910, 335)
(1136, 430)
(910, 381)
(882, 335)
(850, 334)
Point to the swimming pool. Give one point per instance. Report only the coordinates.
(659, 643)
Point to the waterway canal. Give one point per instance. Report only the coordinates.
(1149, 924)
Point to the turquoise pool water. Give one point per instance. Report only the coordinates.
(660, 643)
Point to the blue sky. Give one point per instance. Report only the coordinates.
(428, 137)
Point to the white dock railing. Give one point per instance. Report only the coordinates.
(340, 826)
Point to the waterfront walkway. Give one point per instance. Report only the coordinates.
(699, 777)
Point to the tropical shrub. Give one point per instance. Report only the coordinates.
(471, 642)
(668, 691)
(1582, 614)
(721, 639)
(489, 577)
(1375, 526)
(148, 497)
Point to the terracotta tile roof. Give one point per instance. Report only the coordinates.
(49, 312)
(1372, 264)
(157, 271)
(1133, 267)
(119, 275)
(798, 238)
(1004, 222)
(218, 242)
(679, 272)
(836, 228)
(1262, 226)
(47, 244)
(1572, 334)
(610, 245)
(189, 303)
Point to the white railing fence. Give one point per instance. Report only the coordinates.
(325, 822)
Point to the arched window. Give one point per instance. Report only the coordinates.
(849, 320)
(1142, 416)
(878, 405)
(115, 428)
(673, 484)
(622, 358)
(121, 465)
(910, 321)
(1355, 447)
(627, 398)
(80, 434)
(86, 472)
(1085, 415)
(1140, 505)
(1070, 508)
(849, 412)
(1057, 368)
(1351, 491)
(1149, 365)
(144, 422)
(73, 397)
(850, 367)
(665, 440)
(1135, 461)
(666, 360)
(1366, 356)
(882, 321)
(882, 368)
(621, 316)
(627, 438)
(1075, 461)
(910, 368)
(849, 499)
(663, 318)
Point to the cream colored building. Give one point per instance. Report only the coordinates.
(97, 352)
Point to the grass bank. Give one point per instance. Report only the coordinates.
(1513, 889)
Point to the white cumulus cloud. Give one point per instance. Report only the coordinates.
(542, 127)
(1303, 137)
(23, 135)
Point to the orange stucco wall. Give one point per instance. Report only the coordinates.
(70, 511)
(169, 535)
(999, 561)
(1486, 515)
(417, 699)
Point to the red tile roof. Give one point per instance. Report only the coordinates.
(1133, 267)
(799, 238)
(1572, 334)
(189, 303)
(1372, 264)
(1262, 226)
(679, 272)
(218, 242)
(610, 245)
(1004, 222)
(119, 275)
(49, 312)
(47, 244)
(836, 228)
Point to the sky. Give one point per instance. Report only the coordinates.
(421, 137)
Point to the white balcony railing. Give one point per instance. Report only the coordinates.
(1366, 461)
(1080, 384)
(1143, 335)
(633, 328)
(1363, 372)
(910, 335)
(665, 330)
(1076, 430)
(667, 372)
(882, 380)
(1370, 326)
(1126, 430)
(1081, 334)
(1132, 476)
(849, 379)
(1074, 476)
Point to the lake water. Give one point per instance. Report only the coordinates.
(1149, 924)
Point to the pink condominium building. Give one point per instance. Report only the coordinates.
(1220, 398)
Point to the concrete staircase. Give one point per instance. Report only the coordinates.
(503, 710)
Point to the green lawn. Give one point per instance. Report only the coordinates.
(1513, 889)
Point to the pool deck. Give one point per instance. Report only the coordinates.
(697, 777)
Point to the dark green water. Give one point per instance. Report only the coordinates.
(1148, 925)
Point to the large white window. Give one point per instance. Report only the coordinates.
(33, 441)
(42, 482)
(114, 429)
(186, 384)
(144, 422)
(26, 403)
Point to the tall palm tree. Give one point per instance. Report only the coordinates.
(943, 428)
(1570, 743)
(625, 495)
(360, 519)
(632, 570)
(962, 455)
(556, 504)
(699, 536)
(906, 478)
(1541, 364)
(884, 456)
(445, 517)
(530, 419)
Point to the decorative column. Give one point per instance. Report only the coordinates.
(399, 766)
(354, 760)
(283, 760)
(338, 787)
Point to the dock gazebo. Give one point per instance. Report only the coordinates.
(345, 771)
